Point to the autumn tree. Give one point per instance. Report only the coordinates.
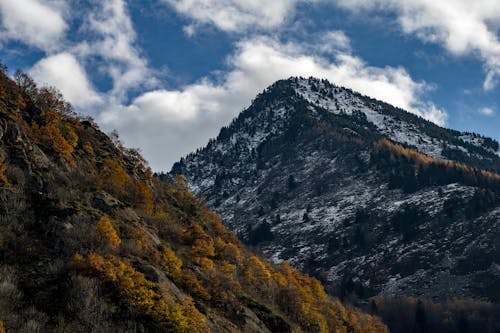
(202, 248)
(170, 263)
(107, 233)
(4, 182)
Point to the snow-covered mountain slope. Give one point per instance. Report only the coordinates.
(394, 123)
(297, 175)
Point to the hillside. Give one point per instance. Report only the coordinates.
(91, 242)
(370, 199)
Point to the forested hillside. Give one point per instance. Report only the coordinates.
(91, 242)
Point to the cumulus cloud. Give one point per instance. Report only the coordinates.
(111, 38)
(236, 15)
(487, 111)
(65, 72)
(462, 27)
(167, 124)
(333, 42)
(35, 22)
(108, 43)
(170, 123)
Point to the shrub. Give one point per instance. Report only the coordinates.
(202, 248)
(170, 263)
(108, 233)
(4, 182)
(55, 134)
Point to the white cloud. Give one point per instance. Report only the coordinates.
(487, 111)
(111, 39)
(35, 22)
(64, 72)
(189, 30)
(108, 42)
(333, 42)
(169, 124)
(463, 27)
(236, 15)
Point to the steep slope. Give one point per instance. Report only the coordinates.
(91, 242)
(367, 197)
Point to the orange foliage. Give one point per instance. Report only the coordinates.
(108, 233)
(472, 175)
(61, 138)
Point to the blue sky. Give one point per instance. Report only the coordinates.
(167, 74)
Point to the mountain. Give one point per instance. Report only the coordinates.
(90, 241)
(372, 200)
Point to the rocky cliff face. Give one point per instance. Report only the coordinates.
(367, 197)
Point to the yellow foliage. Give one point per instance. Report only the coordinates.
(133, 287)
(87, 147)
(207, 264)
(139, 293)
(180, 183)
(187, 318)
(229, 271)
(3, 96)
(141, 196)
(108, 233)
(20, 103)
(227, 251)
(256, 273)
(202, 248)
(313, 321)
(70, 135)
(170, 263)
(4, 182)
(191, 283)
(180, 192)
(53, 133)
(114, 177)
(143, 244)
